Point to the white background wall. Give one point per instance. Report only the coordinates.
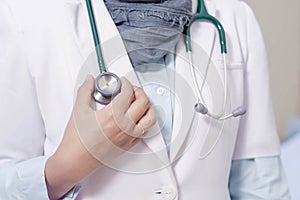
(280, 23)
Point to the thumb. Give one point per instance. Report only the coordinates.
(85, 92)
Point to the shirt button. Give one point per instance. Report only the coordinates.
(160, 90)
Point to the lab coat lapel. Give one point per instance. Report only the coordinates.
(155, 142)
(185, 100)
(203, 36)
(108, 34)
(79, 28)
(116, 59)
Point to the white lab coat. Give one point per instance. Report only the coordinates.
(44, 49)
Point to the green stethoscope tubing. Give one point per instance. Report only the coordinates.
(202, 14)
(97, 44)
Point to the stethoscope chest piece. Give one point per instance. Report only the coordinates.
(107, 86)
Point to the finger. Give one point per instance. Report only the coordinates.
(144, 123)
(149, 119)
(133, 142)
(84, 94)
(122, 101)
(139, 106)
(129, 143)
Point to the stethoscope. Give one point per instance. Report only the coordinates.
(108, 85)
(200, 106)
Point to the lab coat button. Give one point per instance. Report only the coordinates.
(160, 90)
(166, 193)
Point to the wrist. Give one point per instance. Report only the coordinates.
(69, 164)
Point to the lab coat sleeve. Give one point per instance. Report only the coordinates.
(22, 135)
(256, 171)
(257, 134)
(18, 179)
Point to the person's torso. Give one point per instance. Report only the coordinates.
(203, 148)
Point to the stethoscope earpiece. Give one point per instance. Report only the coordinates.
(241, 110)
(199, 107)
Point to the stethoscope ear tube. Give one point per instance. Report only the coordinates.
(96, 39)
(200, 106)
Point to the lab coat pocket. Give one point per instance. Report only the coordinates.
(211, 129)
(235, 82)
(236, 74)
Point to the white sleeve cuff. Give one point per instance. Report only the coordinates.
(72, 194)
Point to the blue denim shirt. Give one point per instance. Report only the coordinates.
(150, 30)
